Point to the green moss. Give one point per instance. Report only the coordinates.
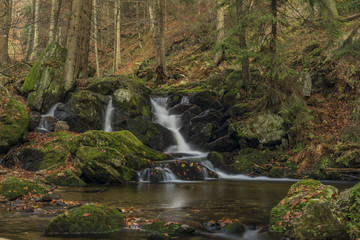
(348, 155)
(65, 178)
(131, 102)
(234, 227)
(217, 159)
(13, 188)
(169, 228)
(142, 128)
(30, 80)
(295, 201)
(87, 219)
(353, 214)
(319, 170)
(13, 123)
(248, 158)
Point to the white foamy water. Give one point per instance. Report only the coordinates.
(108, 116)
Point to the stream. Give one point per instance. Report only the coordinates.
(191, 202)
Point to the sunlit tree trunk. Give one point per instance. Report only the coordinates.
(117, 40)
(151, 16)
(54, 20)
(29, 44)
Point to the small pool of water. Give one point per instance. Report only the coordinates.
(192, 203)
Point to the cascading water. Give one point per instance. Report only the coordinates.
(173, 123)
(108, 116)
(44, 121)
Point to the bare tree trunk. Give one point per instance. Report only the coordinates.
(52, 21)
(96, 39)
(78, 47)
(55, 33)
(29, 44)
(221, 32)
(138, 22)
(159, 42)
(331, 5)
(151, 16)
(245, 64)
(5, 22)
(35, 51)
(117, 38)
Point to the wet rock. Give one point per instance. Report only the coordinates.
(60, 112)
(225, 226)
(187, 170)
(34, 119)
(207, 117)
(169, 228)
(132, 102)
(238, 110)
(217, 159)
(224, 144)
(161, 140)
(65, 178)
(50, 196)
(205, 100)
(182, 107)
(201, 133)
(48, 123)
(249, 160)
(45, 82)
(231, 98)
(86, 219)
(61, 126)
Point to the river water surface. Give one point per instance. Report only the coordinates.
(192, 202)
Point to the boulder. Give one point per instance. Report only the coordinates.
(205, 100)
(14, 120)
(224, 144)
(183, 107)
(50, 196)
(225, 226)
(131, 102)
(285, 214)
(60, 112)
(207, 116)
(65, 178)
(234, 80)
(45, 82)
(238, 110)
(13, 188)
(249, 160)
(86, 219)
(217, 159)
(194, 171)
(231, 97)
(85, 110)
(267, 128)
(61, 126)
(319, 220)
(34, 120)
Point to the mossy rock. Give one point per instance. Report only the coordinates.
(319, 170)
(268, 128)
(65, 178)
(292, 206)
(13, 188)
(319, 220)
(86, 219)
(217, 159)
(142, 128)
(234, 227)
(169, 228)
(108, 85)
(45, 82)
(231, 98)
(239, 109)
(85, 110)
(348, 155)
(131, 102)
(13, 121)
(234, 80)
(205, 100)
(249, 158)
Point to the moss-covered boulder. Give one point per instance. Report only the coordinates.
(234, 80)
(86, 219)
(12, 188)
(65, 178)
(348, 155)
(250, 158)
(108, 85)
(292, 206)
(267, 128)
(225, 225)
(132, 102)
(98, 156)
(45, 82)
(85, 111)
(170, 228)
(14, 120)
(231, 98)
(205, 100)
(217, 159)
(319, 220)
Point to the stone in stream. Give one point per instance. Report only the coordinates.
(13, 188)
(170, 228)
(86, 219)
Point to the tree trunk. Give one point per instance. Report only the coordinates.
(159, 42)
(5, 22)
(331, 5)
(29, 44)
(117, 39)
(52, 21)
(273, 27)
(35, 51)
(221, 32)
(151, 16)
(138, 22)
(96, 39)
(245, 64)
(78, 35)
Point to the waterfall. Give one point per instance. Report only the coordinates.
(44, 123)
(108, 116)
(173, 123)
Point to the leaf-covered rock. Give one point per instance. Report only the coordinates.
(12, 188)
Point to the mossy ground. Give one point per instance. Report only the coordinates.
(86, 219)
(13, 188)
